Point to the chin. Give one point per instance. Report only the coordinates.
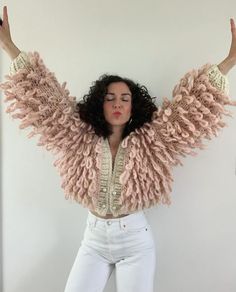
(118, 123)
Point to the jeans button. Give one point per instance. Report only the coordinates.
(109, 222)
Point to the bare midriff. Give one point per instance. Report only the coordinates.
(108, 216)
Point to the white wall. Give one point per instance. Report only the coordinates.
(154, 43)
(1, 265)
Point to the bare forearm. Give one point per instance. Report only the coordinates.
(12, 50)
(226, 65)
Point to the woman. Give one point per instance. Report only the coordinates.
(117, 152)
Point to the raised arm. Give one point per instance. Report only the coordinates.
(195, 113)
(38, 99)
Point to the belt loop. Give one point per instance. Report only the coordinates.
(120, 223)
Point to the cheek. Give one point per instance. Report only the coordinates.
(106, 108)
(128, 109)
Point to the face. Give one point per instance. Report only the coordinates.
(118, 98)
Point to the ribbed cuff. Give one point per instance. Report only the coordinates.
(20, 62)
(218, 79)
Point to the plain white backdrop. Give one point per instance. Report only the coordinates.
(154, 43)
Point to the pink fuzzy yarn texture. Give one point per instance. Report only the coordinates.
(195, 113)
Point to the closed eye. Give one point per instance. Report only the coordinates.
(113, 99)
(110, 96)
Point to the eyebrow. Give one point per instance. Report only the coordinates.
(121, 93)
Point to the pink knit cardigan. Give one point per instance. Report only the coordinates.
(178, 126)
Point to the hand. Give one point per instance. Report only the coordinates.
(5, 34)
(230, 60)
(232, 52)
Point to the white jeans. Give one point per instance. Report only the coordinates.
(125, 244)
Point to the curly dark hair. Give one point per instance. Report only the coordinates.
(91, 108)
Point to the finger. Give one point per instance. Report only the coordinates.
(5, 15)
(233, 28)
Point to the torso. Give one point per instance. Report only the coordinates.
(110, 216)
(113, 154)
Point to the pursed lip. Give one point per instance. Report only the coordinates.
(117, 113)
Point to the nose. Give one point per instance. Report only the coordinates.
(116, 105)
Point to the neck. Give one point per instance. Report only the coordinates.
(116, 137)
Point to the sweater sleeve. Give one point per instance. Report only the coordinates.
(42, 103)
(195, 113)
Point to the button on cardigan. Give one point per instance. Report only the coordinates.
(142, 175)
